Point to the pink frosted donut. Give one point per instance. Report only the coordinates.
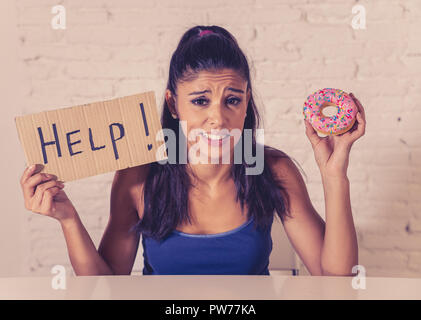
(339, 123)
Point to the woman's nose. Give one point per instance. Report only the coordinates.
(216, 114)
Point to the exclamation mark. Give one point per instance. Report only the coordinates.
(145, 123)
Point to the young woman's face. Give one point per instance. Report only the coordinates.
(214, 106)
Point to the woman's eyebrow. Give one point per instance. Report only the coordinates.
(204, 91)
(198, 92)
(235, 90)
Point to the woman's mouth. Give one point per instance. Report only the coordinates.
(214, 139)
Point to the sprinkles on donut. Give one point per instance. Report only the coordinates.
(339, 123)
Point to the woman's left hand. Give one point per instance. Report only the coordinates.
(332, 152)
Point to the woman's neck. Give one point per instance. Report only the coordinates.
(209, 175)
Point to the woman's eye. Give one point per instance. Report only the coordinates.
(202, 102)
(234, 101)
(199, 101)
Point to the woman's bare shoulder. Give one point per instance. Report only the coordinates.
(133, 175)
(128, 186)
(277, 160)
(284, 167)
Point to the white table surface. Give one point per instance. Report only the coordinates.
(209, 288)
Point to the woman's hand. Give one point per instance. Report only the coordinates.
(332, 152)
(43, 194)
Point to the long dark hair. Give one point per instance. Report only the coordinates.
(167, 185)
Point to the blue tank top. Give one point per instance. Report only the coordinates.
(244, 250)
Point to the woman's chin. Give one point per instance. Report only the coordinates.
(211, 157)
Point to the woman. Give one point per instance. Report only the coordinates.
(212, 218)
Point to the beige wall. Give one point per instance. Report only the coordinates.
(113, 48)
(12, 237)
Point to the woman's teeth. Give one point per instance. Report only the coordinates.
(214, 136)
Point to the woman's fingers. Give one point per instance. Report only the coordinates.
(47, 204)
(32, 182)
(359, 105)
(28, 174)
(37, 200)
(29, 171)
(360, 122)
(39, 189)
(311, 134)
(359, 132)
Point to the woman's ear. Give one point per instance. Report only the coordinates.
(170, 99)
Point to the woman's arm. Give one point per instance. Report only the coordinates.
(83, 255)
(117, 250)
(326, 248)
(340, 246)
(305, 228)
(44, 195)
(118, 245)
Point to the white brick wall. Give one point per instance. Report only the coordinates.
(113, 48)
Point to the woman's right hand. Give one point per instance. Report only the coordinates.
(43, 194)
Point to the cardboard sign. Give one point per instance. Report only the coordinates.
(90, 139)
